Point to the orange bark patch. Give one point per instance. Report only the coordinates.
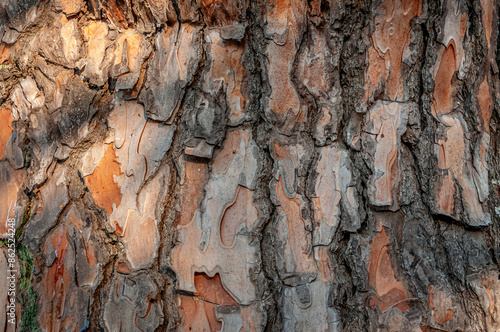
(376, 71)
(91, 259)
(116, 13)
(389, 291)
(102, 184)
(4, 52)
(123, 267)
(484, 104)
(119, 230)
(71, 7)
(442, 83)
(441, 305)
(284, 23)
(95, 35)
(198, 315)
(446, 200)
(56, 283)
(390, 39)
(221, 12)
(58, 293)
(199, 311)
(488, 7)
(492, 305)
(10, 181)
(5, 129)
(211, 289)
(277, 14)
(324, 263)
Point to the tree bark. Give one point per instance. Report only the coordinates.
(240, 165)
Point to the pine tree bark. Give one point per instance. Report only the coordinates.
(246, 165)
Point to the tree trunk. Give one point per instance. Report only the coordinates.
(250, 165)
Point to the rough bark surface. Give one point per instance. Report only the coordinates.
(251, 165)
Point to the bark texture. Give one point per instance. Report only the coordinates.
(251, 165)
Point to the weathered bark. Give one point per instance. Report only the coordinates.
(251, 165)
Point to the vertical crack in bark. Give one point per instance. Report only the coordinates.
(427, 260)
(259, 93)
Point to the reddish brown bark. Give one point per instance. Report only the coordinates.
(245, 165)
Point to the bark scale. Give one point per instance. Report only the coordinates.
(251, 165)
